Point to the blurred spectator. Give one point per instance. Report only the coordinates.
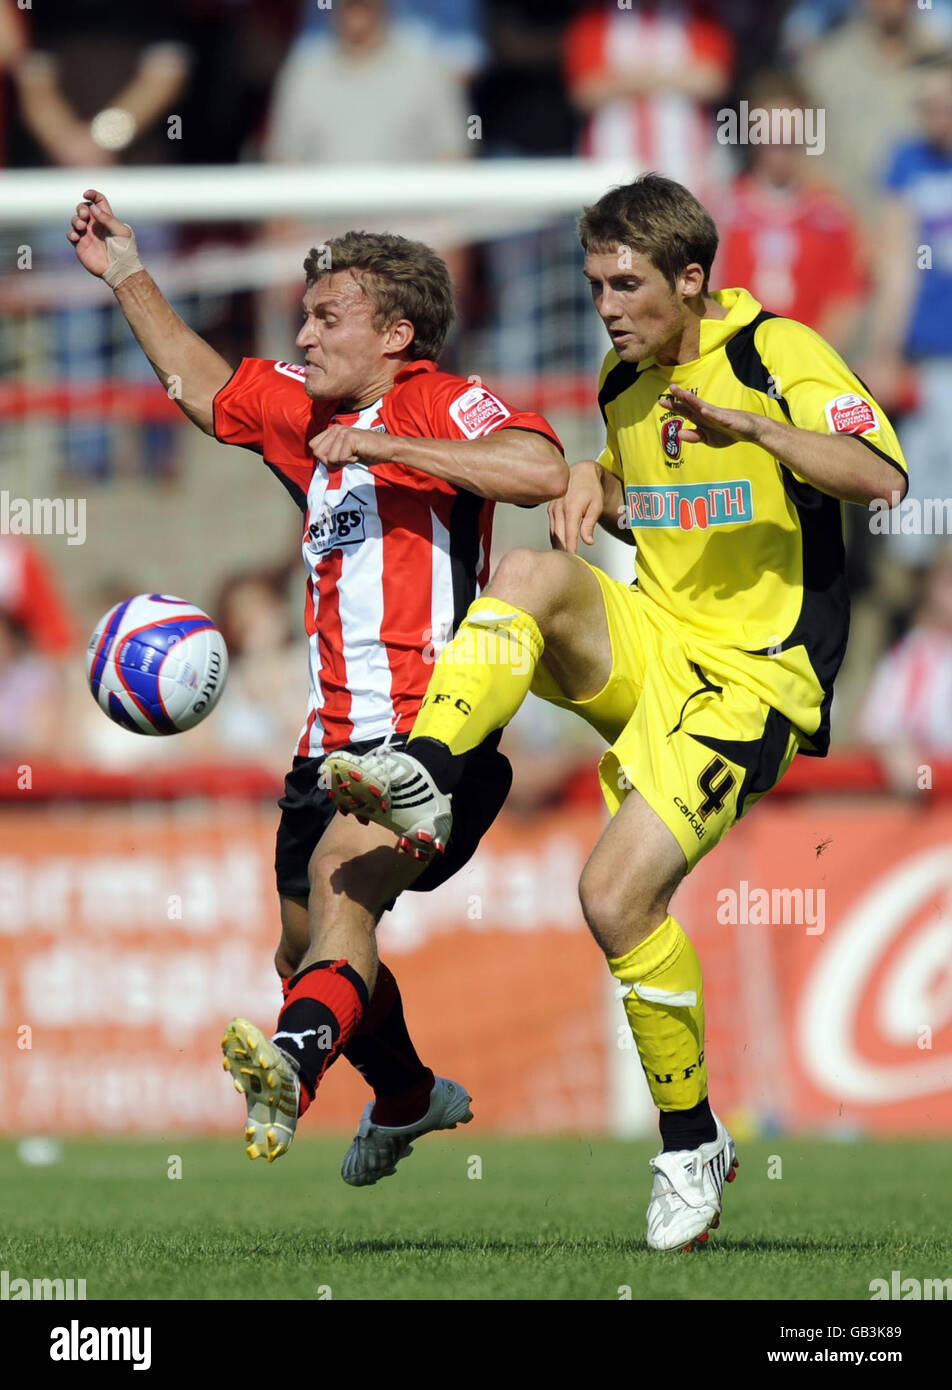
(521, 96)
(38, 639)
(12, 42)
(912, 320)
(755, 30)
(92, 56)
(863, 76)
(809, 21)
(906, 714)
(791, 240)
(97, 89)
(451, 28)
(31, 723)
(374, 93)
(30, 596)
(643, 78)
(237, 48)
(384, 98)
(260, 714)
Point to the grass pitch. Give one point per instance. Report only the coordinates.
(547, 1219)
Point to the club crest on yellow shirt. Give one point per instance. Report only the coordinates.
(671, 426)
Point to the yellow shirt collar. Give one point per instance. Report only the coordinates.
(742, 308)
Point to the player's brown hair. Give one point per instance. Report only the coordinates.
(404, 280)
(656, 217)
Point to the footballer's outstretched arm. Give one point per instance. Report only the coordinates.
(106, 248)
(840, 465)
(511, 465)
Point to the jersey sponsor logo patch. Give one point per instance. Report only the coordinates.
(477, 411)
(694, 506)
(851, 414)
(335, 527)
(291, 369)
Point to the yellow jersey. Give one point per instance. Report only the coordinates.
(743, 559)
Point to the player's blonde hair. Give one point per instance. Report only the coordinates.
(403, 279)
(656, 217)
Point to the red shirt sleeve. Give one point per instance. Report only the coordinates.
(440, 406)
(264, 407)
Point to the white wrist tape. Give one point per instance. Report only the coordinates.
(123, 259)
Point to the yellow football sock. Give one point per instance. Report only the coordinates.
(481, 677)
(665, 1008)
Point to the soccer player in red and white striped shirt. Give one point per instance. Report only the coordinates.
(396, 467)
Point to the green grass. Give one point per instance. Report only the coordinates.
(548, 1219)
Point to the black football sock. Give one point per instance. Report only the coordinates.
(447, 768)
(383, 1053)
(687, 1129)
(444, 767)
(323, 1007)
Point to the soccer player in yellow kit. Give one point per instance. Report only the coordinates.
(733, 438)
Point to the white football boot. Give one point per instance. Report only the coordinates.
(686, 1193)
(377, 1149)
(391, 788)
(268, 1078)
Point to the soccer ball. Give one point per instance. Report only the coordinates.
(156, 664)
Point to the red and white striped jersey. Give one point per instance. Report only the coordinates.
(910, 693)
(394, 556)
(662, 129)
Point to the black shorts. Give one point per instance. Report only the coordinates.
(307, 810)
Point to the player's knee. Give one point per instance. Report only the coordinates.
(602, 907)
(530, 578)
(512, 576)
(618, 917)
(523, 573)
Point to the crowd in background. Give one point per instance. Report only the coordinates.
(855, 241)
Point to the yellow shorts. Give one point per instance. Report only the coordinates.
(699, 751)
